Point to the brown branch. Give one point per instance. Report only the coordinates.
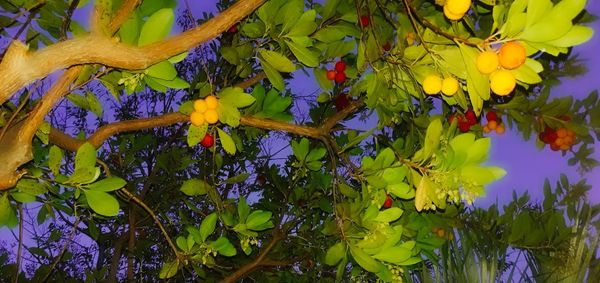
(67, 23)
(413, 11)
(20, 67)
(256, 263)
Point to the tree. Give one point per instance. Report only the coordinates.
(197, 166)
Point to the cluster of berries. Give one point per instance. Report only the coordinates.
(337, 73)
(466, 121)
(558, 139)
(456, 9)
(433, 84)
(493, 123)
(497, 65)
(205, 111)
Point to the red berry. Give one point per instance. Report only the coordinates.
(491, 116)
(233, 29)
(341, 101)
(554, 147)
(331, 75)
(340, 77)
(365, 21)
(340, 66)
(464, 126)
(388, 202)
(451, 118)
(387, 46)
(470, 114)
(208, 141)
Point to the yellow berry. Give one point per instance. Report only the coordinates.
(458, 7)
(452, 16)
(487, 62)
(197, 118)
(211, 102)
(502, 82)
(200, 105)
(432, 84)
(211, 116)
(449, 86)
(512, 55)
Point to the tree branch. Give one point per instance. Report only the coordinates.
(20, 67)
(259, 261)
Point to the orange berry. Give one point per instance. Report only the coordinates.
(492, 125)
(565, 147)
(200, 105)
(559, 141)
(197, 118)
(211, 116)
(500, 129)
(512, 55)
(441, 233)
(486, 129)
(570, 133)
(561, 132)
(569, 140)
(211, 102)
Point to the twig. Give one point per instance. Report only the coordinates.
(259, 261)
(67, 22)
(62, 251)
(20, 249)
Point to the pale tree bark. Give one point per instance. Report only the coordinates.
(20, 67)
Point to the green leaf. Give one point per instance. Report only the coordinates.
(237, 179)
(79, 101)
(431, 142)
(229, 115)
(195, 134)
(130, 30)
(31, 187)
(273, 75)
(107, 185)
(257, 218)
(575, 36)
(195, 187)
(95, 104)
(176, 83)
(335, 253)
(230, 54)
(550, 28)
(389, 215)
(236, 97)
(223, 246)
(157, 27)
(394, 254)
(7, 214)
(102, 203)
(303, 54)
(330, 34)
(55, 159)
(169, 269)
(316, 154)
(86, 156)
(321, 76)
(300, 149)
(243, 209)
(226, 142)
(365, 260)
(277, 60)
(478, 85)
(162, 70)
(305, 24)
(208, 225)
(182, 243)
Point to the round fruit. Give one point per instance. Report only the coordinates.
(432, 84)
(487, 62)
(500, 129)
(492, 125)
(200, 105)
(364, 21)
(464, 126)
(211, 116)
(387, 46)
(388, 202)
(452, 16)
(512, 55)
(554, 147)
(341, 101)
(233, 29)
(458, 6)
(502, 82)
(491, 116)
(561, 132)
(208, 141)
(486, 129)
(197, 118)
(470, 115)
(340, 66)
(211, 102)
(340, 77)
(331, 75)
(449, 86)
